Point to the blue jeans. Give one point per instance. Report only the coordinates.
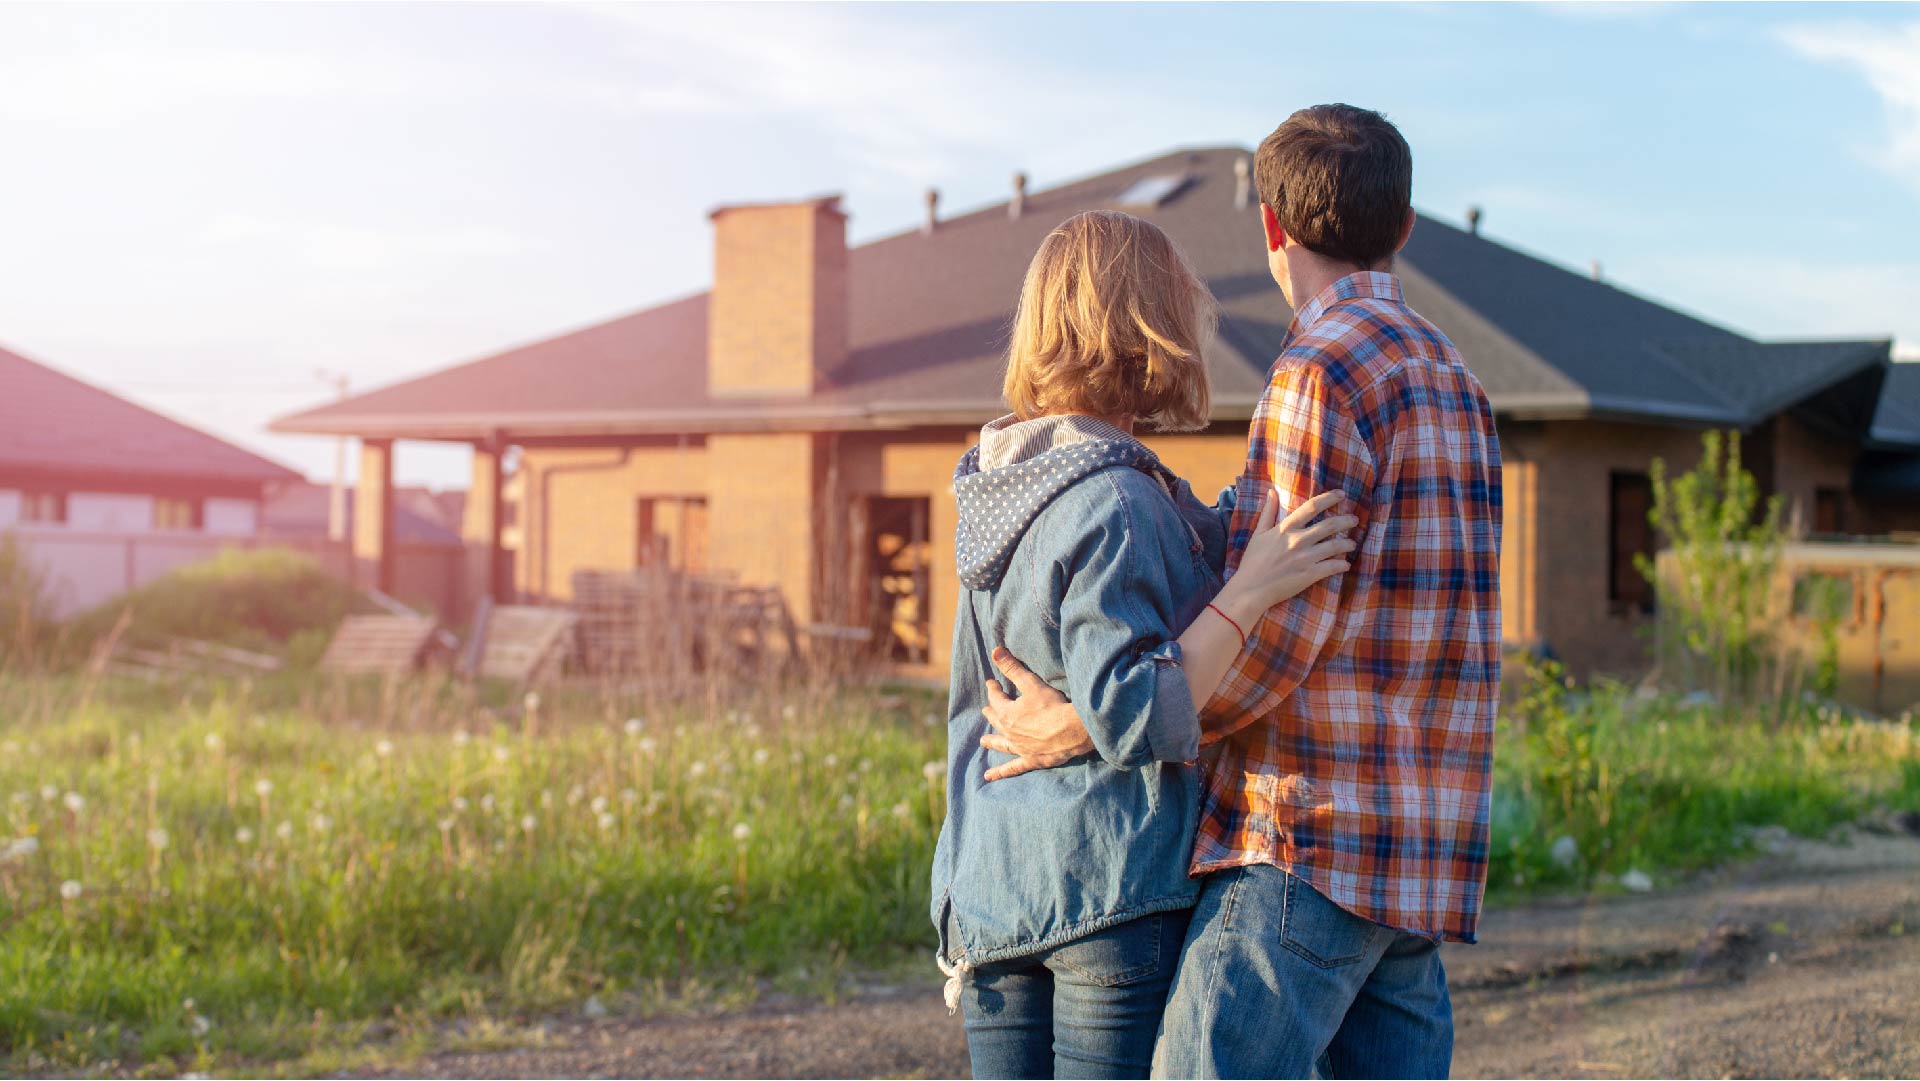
(1089, 1008)
(1275, 979)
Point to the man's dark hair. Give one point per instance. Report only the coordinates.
(1340, 181)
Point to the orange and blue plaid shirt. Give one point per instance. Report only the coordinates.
(1351, 742)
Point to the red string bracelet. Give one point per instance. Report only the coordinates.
(1229, 619)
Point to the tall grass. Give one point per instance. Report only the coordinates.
(221, 873)
(211, 877)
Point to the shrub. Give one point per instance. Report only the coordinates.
(1717, 583)
(253, 599)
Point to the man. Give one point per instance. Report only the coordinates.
(1348, 769)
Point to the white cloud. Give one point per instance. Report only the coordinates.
(348, 248)
(1889, 59)
(913, 100)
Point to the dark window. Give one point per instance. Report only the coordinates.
(1629, 534)
(672, 533)
(45, 507)
(1829, 511)
(171, 513)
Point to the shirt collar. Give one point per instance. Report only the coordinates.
(1376, 284)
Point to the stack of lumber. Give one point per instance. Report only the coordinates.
(178, 656)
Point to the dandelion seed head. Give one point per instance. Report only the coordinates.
(284, 831)
(263, 788)
(788, 712)
(830, 761)
(459, 805)
(531, 701)
(931, 720)
(761, 756)
(742, 831)
(546, 798)
(19, 848)
(629, 795)
(487, 803)
(446, 824)
(698, 769)
(902, 810)
(214, 742)
(575, 795)
(384, 748)
(319, 823)
(157, 839)
(199, 1025)
(500, 752)
(70, 890)
(528, 823)
(635, 726)
(75, 802)
(49, 793)
(933, 771)
(647, 745)
(866, 765)
(461, 737)
(243, 835)
(599, 805)
(606, 820)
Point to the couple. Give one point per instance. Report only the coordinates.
(1222, 828)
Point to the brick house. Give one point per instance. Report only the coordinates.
(798, 423)
(105, 495)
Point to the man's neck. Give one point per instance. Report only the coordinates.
(1309, 274)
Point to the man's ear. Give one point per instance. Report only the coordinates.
(1407, 229)
(1270, 223)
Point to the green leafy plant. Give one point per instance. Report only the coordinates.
(1717, 581)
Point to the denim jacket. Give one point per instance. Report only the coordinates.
(1086, 560)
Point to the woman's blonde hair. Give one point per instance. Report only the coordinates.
(1111, 320)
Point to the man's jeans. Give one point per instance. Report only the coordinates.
(1274, 976)
(1089, 1008)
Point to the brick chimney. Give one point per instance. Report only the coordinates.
(777, 317)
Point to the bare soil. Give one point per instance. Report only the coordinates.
(1803, 963)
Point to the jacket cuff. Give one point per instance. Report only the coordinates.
(1173, 724)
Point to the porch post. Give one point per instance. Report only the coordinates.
(373, 513)
(485, 517)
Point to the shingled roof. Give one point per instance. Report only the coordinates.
(54, 424)
(930, 311)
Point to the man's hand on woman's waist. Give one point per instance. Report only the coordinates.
(1040, 729)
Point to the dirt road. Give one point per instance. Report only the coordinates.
(1805, 963)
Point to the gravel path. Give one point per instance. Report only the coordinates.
(1805, 963)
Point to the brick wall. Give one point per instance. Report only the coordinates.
(580, 506)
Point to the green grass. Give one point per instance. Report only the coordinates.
(1662, 787)
(283, 873)
(420, 852)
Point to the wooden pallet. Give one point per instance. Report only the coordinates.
(523, 643)
(179, 656)
(384, 644)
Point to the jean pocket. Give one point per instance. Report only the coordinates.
(1121, 954)
(1322, 932)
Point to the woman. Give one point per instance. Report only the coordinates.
(1061, 895)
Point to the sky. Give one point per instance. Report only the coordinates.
(205, 208)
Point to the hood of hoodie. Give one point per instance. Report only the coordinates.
(997, 505)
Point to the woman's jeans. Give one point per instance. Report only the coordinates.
(1089, 1008)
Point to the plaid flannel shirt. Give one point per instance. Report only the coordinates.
(1351, 742)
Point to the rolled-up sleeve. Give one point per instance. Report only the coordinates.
(1122, 652)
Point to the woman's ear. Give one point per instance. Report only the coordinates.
(1270, 223)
